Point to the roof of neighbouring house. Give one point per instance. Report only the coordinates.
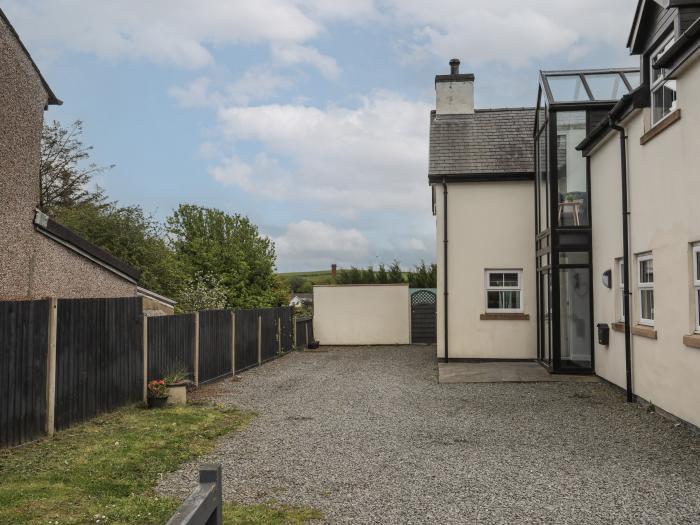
(52, 98)
(303, 296)
(487, 144)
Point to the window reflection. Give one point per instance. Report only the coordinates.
(571, 170)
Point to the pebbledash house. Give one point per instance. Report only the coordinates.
(569, 232)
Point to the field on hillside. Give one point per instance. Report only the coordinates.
(317, 277)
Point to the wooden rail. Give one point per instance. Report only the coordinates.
(204, 505)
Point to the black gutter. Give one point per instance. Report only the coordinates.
(483, 177)
(625, 258)
(444, 240)
(686, 44)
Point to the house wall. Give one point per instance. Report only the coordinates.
(362, 314)
(664, 188)
(491, 225)
(32, 265)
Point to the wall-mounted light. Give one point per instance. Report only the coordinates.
(607, 278)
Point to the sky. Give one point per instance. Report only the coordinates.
(308, 116)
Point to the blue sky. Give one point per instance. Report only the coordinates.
(308, 116)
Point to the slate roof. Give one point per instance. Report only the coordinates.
(487, 142)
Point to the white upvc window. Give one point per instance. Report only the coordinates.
(696, 284)
(645, 286)
(663, 90)
(621, 286)
(504, 291)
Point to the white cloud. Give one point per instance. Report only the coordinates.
(296, 54)
(371, 157)
(320, 244)
(178, 32)
(508, 31)
(417, 245)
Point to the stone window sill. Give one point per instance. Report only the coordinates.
(637, 329)
(659, 128)
(505, 317)
(692, 340)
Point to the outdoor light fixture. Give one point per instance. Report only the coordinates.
(607, 278)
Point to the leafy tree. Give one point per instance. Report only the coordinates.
(296, 282)
(395, 274)
(423, 276)
(355, 276)
(307, 287)
(382, 276)
(130, 235)
(343, 277)
(211, 242)
(202, 292)
(280, 292)
(368, 276)
(63, 175)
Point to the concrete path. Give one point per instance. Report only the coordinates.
(367, 435)
(504, 372)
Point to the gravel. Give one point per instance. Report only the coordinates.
(366, 435)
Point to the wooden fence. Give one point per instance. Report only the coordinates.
(304, 332)
(67, 360)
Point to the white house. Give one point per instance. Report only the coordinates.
(549, 218)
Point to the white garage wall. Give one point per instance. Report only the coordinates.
(362, 314)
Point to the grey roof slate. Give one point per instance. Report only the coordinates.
(489, 141)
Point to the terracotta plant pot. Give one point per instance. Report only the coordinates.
(177, 393)
(157, 402)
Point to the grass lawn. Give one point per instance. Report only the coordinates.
(105, 471)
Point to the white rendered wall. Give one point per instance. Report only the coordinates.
(454, 98)
(491, 225)
(362, 314)
(664, 194)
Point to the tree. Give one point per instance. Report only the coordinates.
(355, 276)
(382, 276)
(296, 282)
(395, 274)
(423, 276)
(130, 235)
(202, 292)
(368, 276)
(343, 277)
(211, 242)
(63, 176)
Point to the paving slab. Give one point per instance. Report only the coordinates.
(504, 372)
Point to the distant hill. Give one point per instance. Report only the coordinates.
(315, 277)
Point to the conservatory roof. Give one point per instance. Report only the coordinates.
(588, 85)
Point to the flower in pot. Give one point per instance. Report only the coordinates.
(177, 387)
(157, 393)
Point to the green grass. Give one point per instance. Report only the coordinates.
(107, 469)
(317, 277)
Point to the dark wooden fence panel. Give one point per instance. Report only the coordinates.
(24, 343)
(305, 332)
(287, 330)
(171, 340)
(99, 357)
(215, 332)
(246, 339)
(270, 346)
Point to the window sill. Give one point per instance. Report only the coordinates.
(505, 317)
(644, 331)
(637, 329)
(660, 126)
(692, 340)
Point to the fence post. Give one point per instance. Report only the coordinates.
(233, 343)
(51, 368)
(294, 332)
(279, 334)
(259, 340)
(196, 349)
(306, 331)
(145, 357)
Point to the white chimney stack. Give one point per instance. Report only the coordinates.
(454, 93)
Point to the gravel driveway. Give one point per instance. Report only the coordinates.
(366, 435)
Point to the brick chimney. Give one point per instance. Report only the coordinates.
(334, 271)
(454, 93)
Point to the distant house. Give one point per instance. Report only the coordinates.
(300, 299)
(39, 257)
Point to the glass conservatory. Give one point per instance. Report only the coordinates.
(569, 105)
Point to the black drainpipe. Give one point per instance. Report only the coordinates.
(625, 259)
(444, 247)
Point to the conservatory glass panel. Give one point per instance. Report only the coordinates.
(571, 170)
(607, 86)
(567, 88)
(633, 79)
